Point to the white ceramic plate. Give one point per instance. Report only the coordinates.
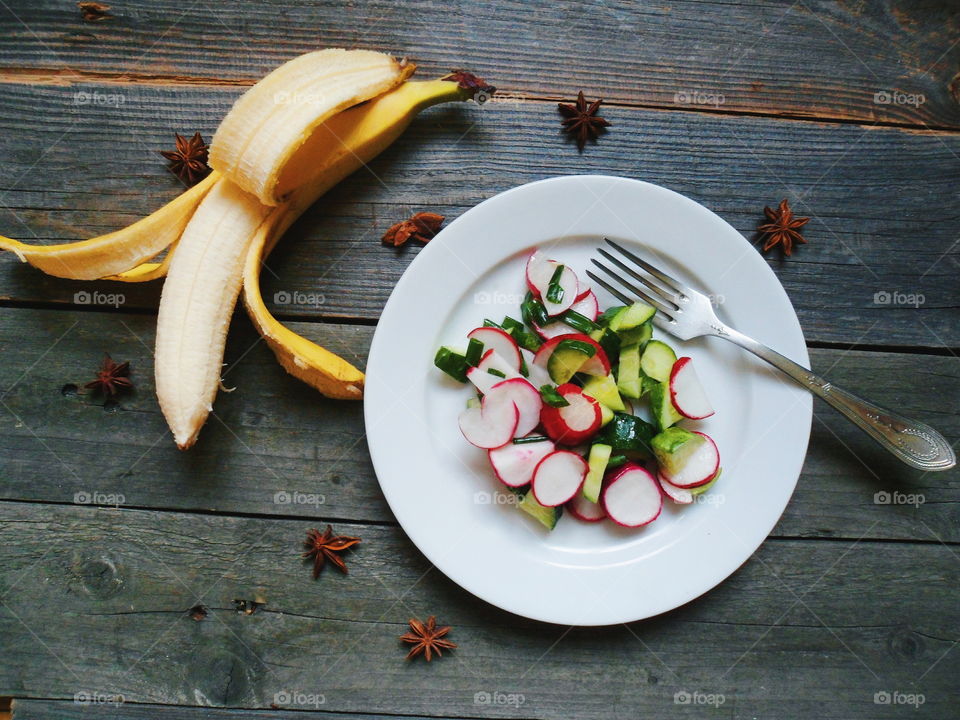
(441, 488)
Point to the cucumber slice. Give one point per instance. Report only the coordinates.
(673, 446)
(606, 414)
(700, 489)
(664, 413)
(625, 318)
(547, 516)
(657, 361)
(597, 464)
(639, 335)
(604, 389)
(452, 363)
(628, 434)
(567, 359)
(628, 374)
(608, 340)
(473, 402)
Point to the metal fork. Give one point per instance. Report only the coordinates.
(686, 313)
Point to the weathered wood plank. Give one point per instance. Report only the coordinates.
(814, 59)
(785, 628)
(870, 191)
(31, 709)
(273, 435)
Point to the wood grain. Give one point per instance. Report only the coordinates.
(274, 437)
(883, 201)
(783, 627)
(810, 59)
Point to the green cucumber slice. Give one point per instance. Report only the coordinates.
(626, 317)
(628, 434)
(452, 363)
(673, 446)
(608, 340)
(567, 359)
(657, 360)
(603, 388)
(547, 516)
(639, 335)
(628, 373)
(597, 465)
(664, 413)
(700, 489)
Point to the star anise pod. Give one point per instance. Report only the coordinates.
(427, 638)
(189, 161)
(326, 546)
(783, 228)
(111, 378)
(581, 120)
(421, 227)
(93, 11)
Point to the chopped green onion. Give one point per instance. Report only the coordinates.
(580, 323)
(530, 439)
(474, 352)
(534, 313)
(494, 371)
(552, 398)
(616, 461)
(554, 289)
(452, 363)
(490, 323)
(524, 337)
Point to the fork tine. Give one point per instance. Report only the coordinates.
(670, 282)
(658, 304)
(612, 290)
(667, 295)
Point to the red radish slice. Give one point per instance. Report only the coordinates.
(699, 468)
(483, 380)
(558, 477)
(526, 398)
(582, 508)
(570, 286)
(584, 291)
(574, 423)
(538, 272)
(500, 342)
(492, 424)
(633, 497)
(537, 375)
(599, 364)
(679, 495)
(686, 391)
(587, 305)
(514, 464)
(552, 330)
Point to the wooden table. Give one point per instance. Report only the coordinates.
(849, 109)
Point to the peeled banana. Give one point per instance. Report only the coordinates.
(286, 141)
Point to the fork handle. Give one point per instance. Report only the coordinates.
(915, 443)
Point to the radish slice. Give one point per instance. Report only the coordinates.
(514, 464)
(537, 375)
(599, 364)
(483, 380)
(686, 391)
(574, 423)
(558, 477)
(699, 468)
(679, 495)
(526, 398)
(587, 305)
(500, 341)
(492, 424)
(552, 330)
(582, 508)
(584, 291)
(539, 274)
(633, 497)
